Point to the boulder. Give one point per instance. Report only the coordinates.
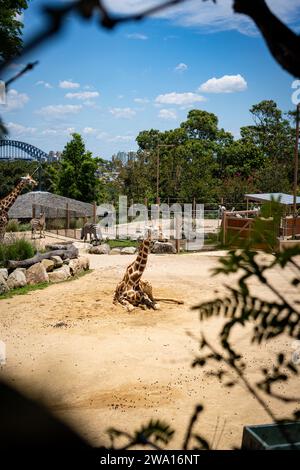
(58, 262)
(16, 279)
(84, 263)
(49, 264)
(103, 249)
(78, 265)
(4, 273)
(61, 274)
(163, 247)
(3, 285)
(36, 273)
(115, 251)
(128, 250)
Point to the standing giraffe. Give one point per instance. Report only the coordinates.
(7, 202)
(132, 291)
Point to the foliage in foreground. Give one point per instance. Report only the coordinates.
(17, 250)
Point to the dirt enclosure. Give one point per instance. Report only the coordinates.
(98, 366)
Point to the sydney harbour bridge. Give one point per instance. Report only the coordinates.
(16, 150)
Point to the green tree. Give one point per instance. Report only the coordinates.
(272, 132)
(76, 177)
(201, 125)
(11, 172)
(11, 27)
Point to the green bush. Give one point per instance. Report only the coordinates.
(12, 226)
(24, 228)
(17, 251)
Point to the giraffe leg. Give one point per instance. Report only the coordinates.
(146, 289)
(126, 303)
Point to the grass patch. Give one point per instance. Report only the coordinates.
(122, 243)
(42, 285)
(18, 250)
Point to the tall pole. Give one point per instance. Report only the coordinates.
(157, 176)
(158, 170)
(296, 165)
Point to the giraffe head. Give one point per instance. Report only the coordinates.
(28, 180)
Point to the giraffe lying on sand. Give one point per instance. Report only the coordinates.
(7, 202)
(132, 291)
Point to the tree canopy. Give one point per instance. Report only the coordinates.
(11, 27)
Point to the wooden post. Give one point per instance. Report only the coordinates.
(224, 227)
(33, 211)
(57, 221)
(94, 211)
(295, 187)
(67, 219)
(178, 234)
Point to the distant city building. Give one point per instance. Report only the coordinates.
(54, 156)
(124, 157)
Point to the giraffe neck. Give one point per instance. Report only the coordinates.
(8, 200)
(141, 259)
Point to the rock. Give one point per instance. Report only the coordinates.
(163, 247)
(4, 273)
(74, 266)
(61, 274)
(23, 270)
(103, 249)
(58, 262)
(36, 273)
(84, 263)
(83, 247)
(16, 279)
(66, 261)
(3, 285)
(78, 265)
(115, 251)
(49, 264)
(128, 250)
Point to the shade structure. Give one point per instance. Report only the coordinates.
(282, 198)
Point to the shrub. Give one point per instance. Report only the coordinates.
(12, 226)
(17, 251)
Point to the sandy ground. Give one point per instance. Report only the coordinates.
(107, 367)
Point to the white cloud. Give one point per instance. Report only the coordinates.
(68, 84)
(45, 84)
(208, 16)
(121, 138)
(225, 84)
(59, 131)
(141, 100)
(83, 95)
(182, 67)
(167, 114)
(14, 100)
(126, 113)
(138, 36)
(102, 136)
(89, 130)
(181, 99)
(19, 129)
(59, 110)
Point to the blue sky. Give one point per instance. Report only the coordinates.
(110, 85)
